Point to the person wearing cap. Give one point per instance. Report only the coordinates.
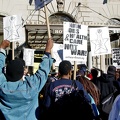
(18, 97)
(64, 85)
(105, 83)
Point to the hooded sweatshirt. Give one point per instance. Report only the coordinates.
(106, 82)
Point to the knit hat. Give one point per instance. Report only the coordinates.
(111, 70)
(15, 70)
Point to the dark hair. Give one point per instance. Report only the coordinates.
(111, 70)
(91, 88)
(94, 73)
(65, 67)
(15, 70)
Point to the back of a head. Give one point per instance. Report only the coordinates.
(111, 70)
(65, 67)
(15, 70)
(94, 73)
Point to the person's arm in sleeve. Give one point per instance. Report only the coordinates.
(94, 108)
(115, 111)
(39, 79)
(4, 44)
(47, 97)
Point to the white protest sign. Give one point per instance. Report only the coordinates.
(13, 30)
(28, 56)
(58, 53)
(75, 41)
(100, 41)
(116, 57)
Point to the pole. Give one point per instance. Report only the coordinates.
(48, 29)
(12, 50)
(75, 68)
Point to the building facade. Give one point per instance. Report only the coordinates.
(94, 13)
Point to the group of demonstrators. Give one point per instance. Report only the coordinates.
(38, 96)
(19, 93)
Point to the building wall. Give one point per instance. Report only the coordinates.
(88, 12)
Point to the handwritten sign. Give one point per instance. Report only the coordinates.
(28, 56)
(13, 30)
(75, 41)
(100, 41)
(116, 57)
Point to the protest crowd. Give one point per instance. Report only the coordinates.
(43, 95)
(67, 92)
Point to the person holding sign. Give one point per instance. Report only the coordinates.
(19, 99)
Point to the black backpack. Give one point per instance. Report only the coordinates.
(107, 102)
(69, 106)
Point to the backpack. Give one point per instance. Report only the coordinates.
(107, 102)
(70, 106)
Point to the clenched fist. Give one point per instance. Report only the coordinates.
(49, 45)
(4, 44)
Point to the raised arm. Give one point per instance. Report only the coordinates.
(40, 77)
(4, 44)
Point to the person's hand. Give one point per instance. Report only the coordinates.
(49, 45)
(4, 44)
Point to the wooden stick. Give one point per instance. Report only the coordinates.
(75, 68)
(12, 50)
(48, 29)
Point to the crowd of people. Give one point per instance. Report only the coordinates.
(30, 97)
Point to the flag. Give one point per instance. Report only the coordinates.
(30, 2)
(104, 1)
(40, 3)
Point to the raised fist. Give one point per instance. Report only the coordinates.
(4, 44)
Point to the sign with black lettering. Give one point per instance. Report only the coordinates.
(116, 57)
(75, 41)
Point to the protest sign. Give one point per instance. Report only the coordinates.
(100, 41)
(58, 53)
(116, 57)
(28, 56)
(75, 41)
(13, 30)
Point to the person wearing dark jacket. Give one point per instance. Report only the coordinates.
(94, 73)
(69, 108)
(105, 83)
(63, 85)
(114, 113)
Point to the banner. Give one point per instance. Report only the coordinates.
(75, 42)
